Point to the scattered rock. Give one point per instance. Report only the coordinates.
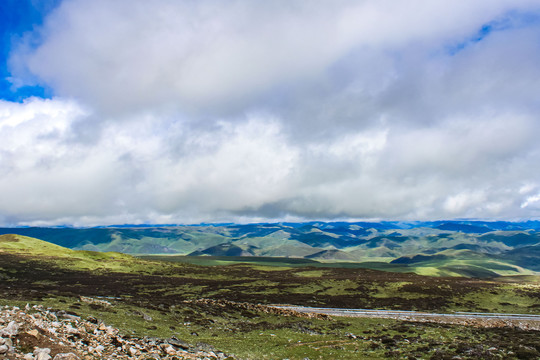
(259, 308)
(55, 336)
(93, 301)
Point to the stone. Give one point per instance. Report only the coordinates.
(11, 330)
(133, 351)
(152, 341)
(66, 356)
(33, 332)
(3, 349)
(168, 349)
(42, 354)
(178, 343)
(71, 330)
(42, 350)
(204, 347)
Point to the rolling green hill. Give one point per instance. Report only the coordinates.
(24, 247)
(461, 263)
(436, 248)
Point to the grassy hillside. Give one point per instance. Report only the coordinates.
(30, 249)
(461, 263)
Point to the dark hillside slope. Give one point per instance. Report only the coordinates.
(527, 257)
(225, 250)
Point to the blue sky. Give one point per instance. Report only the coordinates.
(18, 17)
(132, 111)
(509, 21)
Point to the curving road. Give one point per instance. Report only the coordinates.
(483, 319)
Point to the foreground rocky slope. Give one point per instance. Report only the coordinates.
(36, 333)
(39, 333)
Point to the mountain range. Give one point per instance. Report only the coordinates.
(443, 248)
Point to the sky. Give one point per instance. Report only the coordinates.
(182, 111)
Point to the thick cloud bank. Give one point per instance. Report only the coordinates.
(188, 111)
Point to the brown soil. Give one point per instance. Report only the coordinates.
(28, 279)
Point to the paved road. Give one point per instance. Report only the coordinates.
(409, 314)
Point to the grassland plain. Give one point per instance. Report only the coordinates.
(162, 299)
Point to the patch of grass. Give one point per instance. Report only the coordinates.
(310, 273)
(504, 299)
(231, 260)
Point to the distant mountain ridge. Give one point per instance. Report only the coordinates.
(441, 247)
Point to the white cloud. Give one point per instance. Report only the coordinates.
(226, 55)
(187, 111)
(148, 170)
(134, 170)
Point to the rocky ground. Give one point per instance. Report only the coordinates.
(266, 309)
(37, 333)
